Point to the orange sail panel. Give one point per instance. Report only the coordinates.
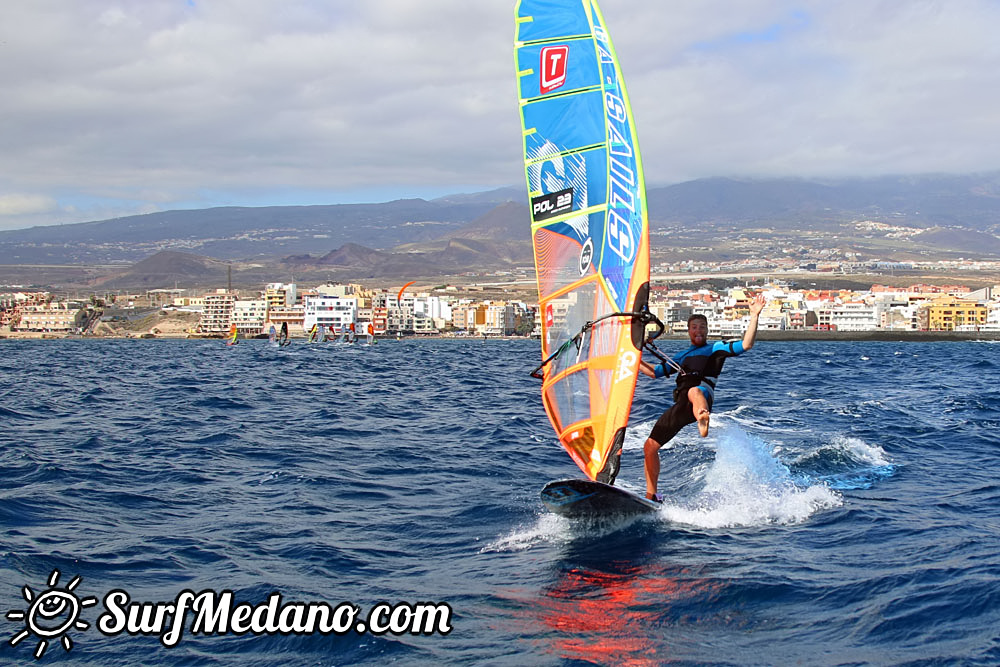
(588, 222)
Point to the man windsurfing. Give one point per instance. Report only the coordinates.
(697, 369)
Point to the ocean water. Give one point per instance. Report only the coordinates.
(842, 511)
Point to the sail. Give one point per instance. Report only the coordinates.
(284, 333)
(272, 335)
(234, 335)
(588, 222)
(317, 334)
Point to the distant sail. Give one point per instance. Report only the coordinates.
(588, 223)
(317, 334)
(399, 297)
(234, 335)
(272, 335)
(284, 333)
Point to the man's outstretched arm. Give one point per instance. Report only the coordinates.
(756, 306)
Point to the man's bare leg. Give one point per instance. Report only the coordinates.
(651, 456)
(699, 407)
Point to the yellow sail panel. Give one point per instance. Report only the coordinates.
(588, 222)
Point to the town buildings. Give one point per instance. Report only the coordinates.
(338, 306)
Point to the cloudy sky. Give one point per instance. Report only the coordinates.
(111, 108)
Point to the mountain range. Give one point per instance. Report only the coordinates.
(898, 217)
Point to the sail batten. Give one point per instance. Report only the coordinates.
(588, 221)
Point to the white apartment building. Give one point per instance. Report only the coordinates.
(993, 314)
(333, 312)
(850, 316)
(897, 316)
(500, 319)
(423, 325)
(398, 313)
(720, 327)
(216, 318)
(249, 316)
(433, 307)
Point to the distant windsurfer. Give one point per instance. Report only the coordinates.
(697, 370)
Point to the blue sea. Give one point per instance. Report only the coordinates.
(842, 511)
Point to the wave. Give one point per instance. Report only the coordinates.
(845, 463)
(746, 485)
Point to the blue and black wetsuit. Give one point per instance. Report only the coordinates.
(700, 367)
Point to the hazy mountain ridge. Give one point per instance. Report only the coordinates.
(971, 201)
(239, 233)
(493, 241)
(709, 219)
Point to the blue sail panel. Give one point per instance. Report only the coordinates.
(568, 122)
(541, 20)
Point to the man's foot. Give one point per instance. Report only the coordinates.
(703, 418)
(655, 497)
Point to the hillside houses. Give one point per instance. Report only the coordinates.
(915, 308)
(339, 306)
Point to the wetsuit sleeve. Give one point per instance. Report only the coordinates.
(729, 348)
(660, 370)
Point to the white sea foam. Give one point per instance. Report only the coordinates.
(554, 529)
(861, 451)
(747, 486)
(635, 436)
(547, 528)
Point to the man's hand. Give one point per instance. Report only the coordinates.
(757, 304)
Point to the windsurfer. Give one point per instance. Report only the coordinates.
(697, 370)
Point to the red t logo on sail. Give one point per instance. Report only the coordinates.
(553, 67)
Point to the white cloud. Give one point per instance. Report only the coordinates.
(155, 103)
(16, 204)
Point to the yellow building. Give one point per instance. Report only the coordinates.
(946, 313)
(471, 316)
(279, 294)
(63, 316)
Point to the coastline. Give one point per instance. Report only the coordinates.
(862, 336)
(762, 336)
